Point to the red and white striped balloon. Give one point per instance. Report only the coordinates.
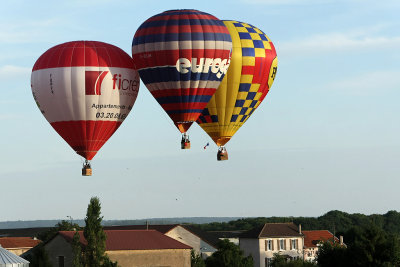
(85, 90)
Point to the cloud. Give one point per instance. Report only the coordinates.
(11, 71)
(336, 42)
(368, 83)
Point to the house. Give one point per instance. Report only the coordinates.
(203, 243)
(129, 248)
(263, 242)
(313, 239)
(18, 245)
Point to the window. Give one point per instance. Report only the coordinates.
(293, 244)
(60, 261)
(268, 244)
(267, 262)
(282, 244)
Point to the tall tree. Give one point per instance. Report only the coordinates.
(94, 253)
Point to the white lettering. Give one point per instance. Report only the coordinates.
(197, 68)
(217, 65)
(182, 64)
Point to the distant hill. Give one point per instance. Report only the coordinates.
(51, 223)
(335, 221)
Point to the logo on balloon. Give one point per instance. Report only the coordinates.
(216, 65)
(93, 80)
(124, 84)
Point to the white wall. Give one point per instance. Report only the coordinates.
(256, 247)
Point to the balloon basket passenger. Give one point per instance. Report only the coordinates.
(222, 154)
(185, 142)
(86, 169)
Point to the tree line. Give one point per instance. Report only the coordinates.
(335, 221)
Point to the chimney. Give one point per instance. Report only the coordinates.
(299, 228)
(147, 225)
(341, 240)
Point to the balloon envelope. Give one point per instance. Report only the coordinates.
(250, 76)
(182, 56)
(85, 90)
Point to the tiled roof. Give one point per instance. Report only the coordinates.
(162, 228)
(165, 228)
(312, 238)
(273, 230)
(18, 242)
(132, 240)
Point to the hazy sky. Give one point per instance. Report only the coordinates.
(326, 136)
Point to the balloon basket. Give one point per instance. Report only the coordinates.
(185, 145)
(185, 142)
(222, 155)
(87, 169)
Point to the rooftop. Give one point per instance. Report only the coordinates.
(165, 228)
(312, 238)
(273, 230)
(18, 242)
(132, 240)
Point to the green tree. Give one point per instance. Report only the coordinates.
(280, 261)
(374, 247)
(94, 252)
(332, 255)
(196, 260)
(367, 247)
(228, 255)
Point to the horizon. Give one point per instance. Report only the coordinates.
(199, 217)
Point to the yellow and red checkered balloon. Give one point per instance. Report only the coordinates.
(250, 76)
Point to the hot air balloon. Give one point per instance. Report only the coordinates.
(250, 76)
(85, 90)
(182, 56)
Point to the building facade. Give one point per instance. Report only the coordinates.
(314, 239)
(130, 248)
(263, 242)
(204, 244)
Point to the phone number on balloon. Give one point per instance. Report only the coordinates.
(102, 115)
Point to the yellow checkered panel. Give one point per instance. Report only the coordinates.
(250, 75)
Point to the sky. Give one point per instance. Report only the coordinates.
(325, 138)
